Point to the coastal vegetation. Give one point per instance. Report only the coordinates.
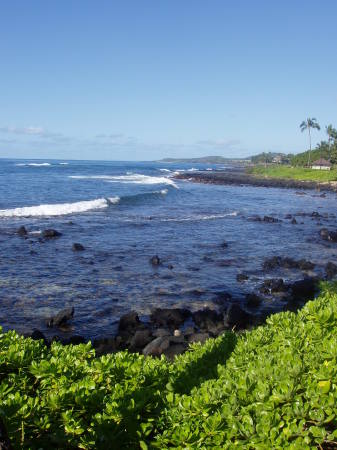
(294, 173)
(309, 124)
(272, 387)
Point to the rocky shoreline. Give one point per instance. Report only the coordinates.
(242, 178)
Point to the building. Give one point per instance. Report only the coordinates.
(321, 164)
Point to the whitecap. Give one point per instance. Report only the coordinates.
(39, 164)
(58, 209)
(131, 178)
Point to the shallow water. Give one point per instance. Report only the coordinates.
(123, 214)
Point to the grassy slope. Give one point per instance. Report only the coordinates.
(295, 173)
(277, 389)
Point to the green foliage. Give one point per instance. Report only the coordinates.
(277, 390)
(294, 173)
(272, 387)
(270, 157)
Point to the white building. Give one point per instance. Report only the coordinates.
(321, 164)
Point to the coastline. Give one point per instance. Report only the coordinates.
(241, 178)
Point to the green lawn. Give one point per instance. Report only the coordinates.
(295, 173)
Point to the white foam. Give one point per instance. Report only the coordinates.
(193, 169)
(164, 191)
(63, 164)
(208, 168)
(114, 200)
(165, 170)
(200, 217)
(131, 178)
(38, 164)
(57, 209)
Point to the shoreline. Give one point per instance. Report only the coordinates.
(242, 178)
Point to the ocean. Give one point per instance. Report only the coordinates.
(124, 213)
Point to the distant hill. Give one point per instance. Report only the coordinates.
(204, 160)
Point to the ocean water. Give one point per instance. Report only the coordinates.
(125, 213)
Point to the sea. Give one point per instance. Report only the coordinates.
(124, 213)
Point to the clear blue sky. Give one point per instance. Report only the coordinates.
(146, 79)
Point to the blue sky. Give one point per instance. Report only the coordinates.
(146, 79)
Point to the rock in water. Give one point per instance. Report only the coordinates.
(50, 233)
(77, 247)
(330, 270)
(61, 318)
(328, 235)
(22, 231)
(155, 260)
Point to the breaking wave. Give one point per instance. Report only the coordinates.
(129, 178)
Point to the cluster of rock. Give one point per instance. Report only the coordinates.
(47, 234)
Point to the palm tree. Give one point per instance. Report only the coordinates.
(332, 136)
(307, 125)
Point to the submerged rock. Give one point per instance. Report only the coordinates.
(240, 277)
(269, 219)
(61, 317)
(77, 247)
(155, 260)
(21, 231)
(51, 233)
(273, 285)
(287, 263)
(328, 235)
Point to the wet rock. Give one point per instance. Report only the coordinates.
(22, 231)
(330, 270)
(328, 235)
(61, 318)
(236, 317)
(198, 337)
(155, 260)
(294, 221)
(287, 263)
(167, 317)
(253, 300)
(140, 339)
(50, 234)
(288, 216)
(207, 258)
(315, 214)
(128, 322)
(77, 247)
(37, 335)
(207, 318)
(5, 443)
(273, 285)
(241, 277)
(157, 346)
(304, 289)
(222, 297)
(269, 219)
(224, 244)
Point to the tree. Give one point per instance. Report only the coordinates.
(332, 136)
(307, 125)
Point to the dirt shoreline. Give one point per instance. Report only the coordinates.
(240, 178)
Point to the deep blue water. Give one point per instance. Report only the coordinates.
(123, 214)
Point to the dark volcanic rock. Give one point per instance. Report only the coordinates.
(155, 260)
(77, 247)
(50, 233)
(140, 339)
(128, 322)
(240, 277)
(22, 231)
(75, 340)
(61, 318)
(328, 235)
(170, 317)
(304, 289)
(207, 319)
(224, 244)
(37, 335)
(104, 346)
(236, 317)
(330, 270)
(288, 216)
(157, 346)
(198, 337)
(271, 219)
(253, 300)
(287, 263)
(273, 285)
(294, 221)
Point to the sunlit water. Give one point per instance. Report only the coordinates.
(123, 214)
